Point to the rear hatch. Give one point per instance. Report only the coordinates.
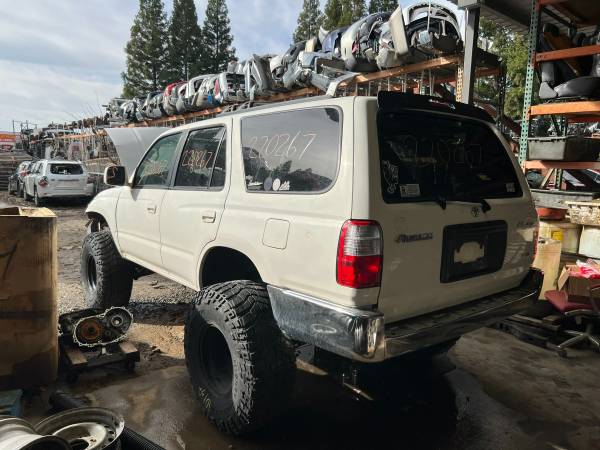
(457, 220)
(67, 177)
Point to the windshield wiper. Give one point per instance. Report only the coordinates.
(485, 206)
(440, 200)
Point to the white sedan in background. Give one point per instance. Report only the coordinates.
(57, 179)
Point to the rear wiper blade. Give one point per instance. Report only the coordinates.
(485, 206)
(440, 200)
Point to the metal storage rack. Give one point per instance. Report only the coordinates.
(567, 13)
(425, 76)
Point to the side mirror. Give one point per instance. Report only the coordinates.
(115, 176)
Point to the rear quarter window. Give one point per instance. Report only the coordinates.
(292, 151)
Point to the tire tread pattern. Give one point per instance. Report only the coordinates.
(114, 277)
(263, 359)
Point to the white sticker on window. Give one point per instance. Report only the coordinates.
(410, 190)
(510, 187)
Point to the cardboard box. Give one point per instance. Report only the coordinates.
(575, 285)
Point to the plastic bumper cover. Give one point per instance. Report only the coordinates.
(363, 335)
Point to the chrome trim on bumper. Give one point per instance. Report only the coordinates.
(348, 332)
(362, 335)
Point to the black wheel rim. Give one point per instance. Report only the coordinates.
(91, 272)
(216, 362)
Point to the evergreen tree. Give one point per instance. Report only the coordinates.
(309, 21)
(352, 10)
(332, 15)
(512, 49)
(146, 50)
(185, 41)
(216, 37)
(376, 6)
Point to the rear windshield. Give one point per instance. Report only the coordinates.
(426, 158)
(66, 169)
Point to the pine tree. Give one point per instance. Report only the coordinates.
(309, 21)
(376, 6)
(216, 37)
(332, 14)
(146, 50)
(185, 41)
(352, 10)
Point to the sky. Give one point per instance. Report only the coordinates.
(60, 60)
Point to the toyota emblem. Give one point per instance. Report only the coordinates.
(475, 211)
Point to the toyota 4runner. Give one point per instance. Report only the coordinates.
(367, 227)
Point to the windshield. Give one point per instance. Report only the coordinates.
(66, 169)
(425, 157)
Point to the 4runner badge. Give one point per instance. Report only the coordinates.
(475, 211)
(406, 238)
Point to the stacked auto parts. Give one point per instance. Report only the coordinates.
(422, 30)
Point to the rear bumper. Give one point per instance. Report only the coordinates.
(364, 335)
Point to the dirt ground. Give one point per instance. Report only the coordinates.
(158, 304)
(503, 394)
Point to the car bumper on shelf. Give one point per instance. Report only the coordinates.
(364, 336)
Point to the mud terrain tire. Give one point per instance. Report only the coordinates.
(106, 277)
(241, 366)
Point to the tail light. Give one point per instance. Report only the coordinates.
(360, 256)
(43, 181)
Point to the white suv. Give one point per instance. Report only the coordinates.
(56, 179)
(368, 227)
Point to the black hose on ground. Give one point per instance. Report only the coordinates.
(130, 440)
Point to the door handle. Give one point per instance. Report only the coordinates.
(151, 209)
(209, 216)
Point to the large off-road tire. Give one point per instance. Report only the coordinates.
(106, 277)
(241, 366)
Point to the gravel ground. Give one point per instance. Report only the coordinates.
(158, 304)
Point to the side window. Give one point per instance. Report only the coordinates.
(202, 162)
(292, 151)
(154, 169)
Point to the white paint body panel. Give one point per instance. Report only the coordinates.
(292, 238)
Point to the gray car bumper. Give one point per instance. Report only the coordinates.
(364, 336)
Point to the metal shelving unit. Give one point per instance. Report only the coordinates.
(570, 12)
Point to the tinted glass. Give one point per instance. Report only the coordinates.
(154, 169)
(292, 151)
(435, 158)
(199, 156)
(66, 169)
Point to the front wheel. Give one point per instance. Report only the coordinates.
(106, 277)
(241, 366)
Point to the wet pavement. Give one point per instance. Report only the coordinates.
(504, 394)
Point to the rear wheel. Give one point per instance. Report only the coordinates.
(241, 366)
(107, 278)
